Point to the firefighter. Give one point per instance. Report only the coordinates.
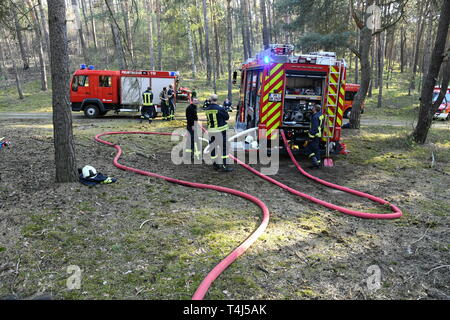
(164, 107)
(147, 110)
(194, 93)
(217, 128)
(193, 147)
(315, 135)
(171, 95)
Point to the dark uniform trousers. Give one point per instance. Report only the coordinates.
(221, 138)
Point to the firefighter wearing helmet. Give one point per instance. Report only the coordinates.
(315, 135)
(148, 110)
(217, 118)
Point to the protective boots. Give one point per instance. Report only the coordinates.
(222, 167)
(316, 163)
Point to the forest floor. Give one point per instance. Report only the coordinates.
(307, 251)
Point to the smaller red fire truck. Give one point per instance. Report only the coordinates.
(351, 90)
(95, 92)
(444, 109)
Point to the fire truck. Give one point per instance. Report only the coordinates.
(351, 90)
(444, 109)
(279, 89)
(95, 92)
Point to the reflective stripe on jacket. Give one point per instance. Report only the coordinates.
(147, 98)
(217, 118)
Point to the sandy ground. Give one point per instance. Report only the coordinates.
(143, 238)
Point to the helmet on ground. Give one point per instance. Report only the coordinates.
(89, 172)
(249, 139)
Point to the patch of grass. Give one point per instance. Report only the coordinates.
(35, 100)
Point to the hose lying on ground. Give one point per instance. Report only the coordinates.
(219, 268)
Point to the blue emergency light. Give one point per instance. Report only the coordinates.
(91, 68)
(82, 66)
(266, 59)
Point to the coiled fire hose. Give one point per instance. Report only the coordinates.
(236, 253)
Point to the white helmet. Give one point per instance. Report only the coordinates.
(254, 145)
(249, 139)
(89, 172)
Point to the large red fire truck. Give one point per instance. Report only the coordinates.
(279, 90)
(95, 92)
(443, 111)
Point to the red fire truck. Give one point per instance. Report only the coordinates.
(444, 109)
(350, 92)
(279, 90)
(95, 92)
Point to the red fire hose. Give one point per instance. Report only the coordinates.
(236, 253)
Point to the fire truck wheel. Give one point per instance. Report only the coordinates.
(91, 111)
(348, 113)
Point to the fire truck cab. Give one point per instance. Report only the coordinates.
(279, 89)
(95, 92)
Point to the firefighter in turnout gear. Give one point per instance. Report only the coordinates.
(217, 128)
(171, 96)
(164, 104)
(193, 145)
(315, 135)
(147, 110)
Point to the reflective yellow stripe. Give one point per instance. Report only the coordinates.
(267, 106)
(275, 79)
(275, 69)
(275, 117)
(218, 129)
(269, 113)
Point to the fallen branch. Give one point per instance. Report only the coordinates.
(140, 227)
(439, 267)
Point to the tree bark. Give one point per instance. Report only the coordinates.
(158, 33)
(265, 30)
(40, 49)
(43, 25)
(419, 32)
(229, 49)
(93, 27)
(381, 50)
(187, 23)
(79, 24)
(427, 107)
(150, 35)
(23, 51)
(65, 160)
(208, 57)
(402, 49)
(15, 70)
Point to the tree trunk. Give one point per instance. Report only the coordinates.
(428, 44)
(43, 25)
(120, 54)
(217, 52)
(402, 49)
(150, 35)
(93, 27)
(79, 24)
(17, 77)
(365, 44)
(23, 51)
(65, 160)
(208, 57)
(158, 33)
(381, 50)
(427, 107)
(187, 21)
(265, 30)
(229, 50)
(419, 32)
(126, 19)
(40, 49)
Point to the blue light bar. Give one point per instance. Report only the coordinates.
(266, 59)
(91, 68)
(82, 66)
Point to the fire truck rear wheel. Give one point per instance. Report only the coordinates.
(91, 111)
